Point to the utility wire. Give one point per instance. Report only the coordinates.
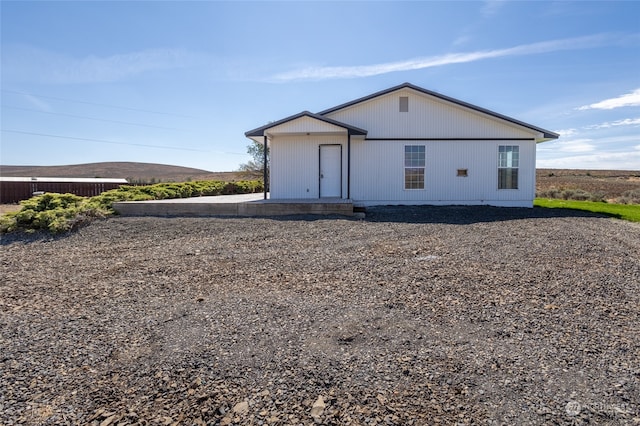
(88, 118)
(102, 141)
(95, 103)
(121, 143)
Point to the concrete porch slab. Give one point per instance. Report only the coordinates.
(243, 205)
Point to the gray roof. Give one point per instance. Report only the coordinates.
(352, 130)
(547, 134)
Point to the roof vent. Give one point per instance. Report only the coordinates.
(404, 104)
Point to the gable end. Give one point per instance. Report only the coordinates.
(261, 131)
(544, 134)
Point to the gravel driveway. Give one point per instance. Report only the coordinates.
(451, 315)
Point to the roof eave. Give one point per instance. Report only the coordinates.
(260, 131)
(547, 137)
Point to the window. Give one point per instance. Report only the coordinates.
(404, 104)
(462, 173)
(414, 163)
(508, 163)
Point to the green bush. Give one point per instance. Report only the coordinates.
(58, 213)
(51, 212)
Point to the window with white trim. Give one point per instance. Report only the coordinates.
(508, 164)
(414, 165)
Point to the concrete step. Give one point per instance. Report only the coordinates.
(243, 209)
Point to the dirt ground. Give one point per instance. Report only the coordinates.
(612, 183)
(9, 208)
(431, 315)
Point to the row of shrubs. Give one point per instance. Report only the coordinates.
(165, 191)
(572, 194)
(628, 197)
(58, 213)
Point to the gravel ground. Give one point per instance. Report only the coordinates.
(427, 315)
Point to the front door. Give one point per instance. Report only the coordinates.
(331, 171)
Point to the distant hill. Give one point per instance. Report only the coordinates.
(134, 172)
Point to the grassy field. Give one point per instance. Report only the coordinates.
(630, 212)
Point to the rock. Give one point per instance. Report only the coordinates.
(241, 408)
(108, 420)
(318, 408)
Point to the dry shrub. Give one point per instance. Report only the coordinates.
(572, 194)
(629, 197)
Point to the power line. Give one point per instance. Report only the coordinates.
(102, 141)
(89, 118)
(95, 103)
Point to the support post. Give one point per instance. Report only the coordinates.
(348, 165)
(264, 168)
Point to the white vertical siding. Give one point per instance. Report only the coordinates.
(304, 125)
(427, 117)
(455, 137)
(295, 165)
(377, 173)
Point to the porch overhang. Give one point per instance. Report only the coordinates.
(304, 123)
(307, 123)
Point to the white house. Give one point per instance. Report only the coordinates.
(404, 145)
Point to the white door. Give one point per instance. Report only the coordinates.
(330, 171)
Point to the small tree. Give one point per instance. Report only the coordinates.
(254, 169)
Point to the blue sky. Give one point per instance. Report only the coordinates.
(180, 82)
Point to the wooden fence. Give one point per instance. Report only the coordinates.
(13, 192)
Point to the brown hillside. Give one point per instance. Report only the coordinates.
(134, 172)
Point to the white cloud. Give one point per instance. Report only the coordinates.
(323, 73)
(617, 123)
(623, 160)
(566, 132)
(118, 67)
(571, 132)
(491, 7)
(628, 99)
(27, 63)
(573, 146)
(614, 152)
